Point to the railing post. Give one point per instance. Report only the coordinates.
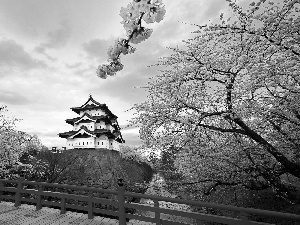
(63, 205)
(91, 206)
(39, 197)
(121, 201)
(157, 214)
(1, 192)
(18, 192)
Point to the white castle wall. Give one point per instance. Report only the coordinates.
(101, 142)
(81, 143)
(94, 112)
(100, 125)
(114, 145)
(91, 126)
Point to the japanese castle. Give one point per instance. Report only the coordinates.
(95, 128)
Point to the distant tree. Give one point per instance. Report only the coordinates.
(230, 101)
(168, 157)
(133, 153)
(149, 11)
(31, 149)
(65, 167)
(13, 145)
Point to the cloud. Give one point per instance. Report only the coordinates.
(73, 66)
(127, 86)
(14, 55)
(97, 48)
(13, 98)
(42, 51)
(58, 38)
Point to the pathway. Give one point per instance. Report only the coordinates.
(27, 215)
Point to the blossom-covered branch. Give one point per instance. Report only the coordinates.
(149, 11)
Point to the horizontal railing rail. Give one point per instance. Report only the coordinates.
(121, 204)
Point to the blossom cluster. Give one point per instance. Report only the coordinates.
(119, 47)
(149, 11)
(109, 70)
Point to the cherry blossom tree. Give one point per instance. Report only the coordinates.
(229, 100)
(13, 145)
(149, 11)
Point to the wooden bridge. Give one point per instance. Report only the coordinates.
(115, 205)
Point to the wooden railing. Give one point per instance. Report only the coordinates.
(119, 203)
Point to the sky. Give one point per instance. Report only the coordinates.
(50, 50)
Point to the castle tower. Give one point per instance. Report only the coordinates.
(95, 128)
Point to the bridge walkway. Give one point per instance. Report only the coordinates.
(27, 215)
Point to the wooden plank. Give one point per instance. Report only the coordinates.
(96, 220)
(9, 189)
(142, 218)
(7, 209)
(73, 187)
(107, 221)
(7, 206)
(82, 220)
(27, 215)
(51, 218)
(12, 213)
(169, 222)
(8, 197)
(65, 195)
(65, 219)
(47, 217)
(10, 218)
(137, 222)
(9, 181)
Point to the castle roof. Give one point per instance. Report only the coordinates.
(92, 104)
(96, 133)
(86, 116)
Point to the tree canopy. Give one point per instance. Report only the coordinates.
(229, 100)
(14, 144)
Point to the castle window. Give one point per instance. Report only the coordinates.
(110, 143)
(82, 143)
(102, 142)
(98, 143)
(78, 143)
(87, 143)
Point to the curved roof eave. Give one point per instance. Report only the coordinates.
(87, 115)
(82, 128)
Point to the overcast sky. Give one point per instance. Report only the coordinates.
(50, 50)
